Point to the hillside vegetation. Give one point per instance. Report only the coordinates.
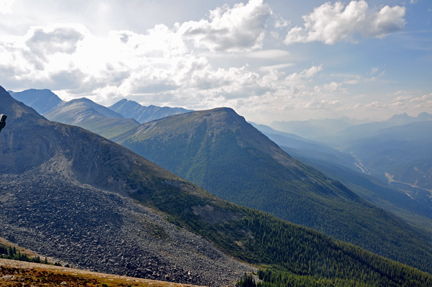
(219, 151)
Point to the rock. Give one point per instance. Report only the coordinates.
(9, 277)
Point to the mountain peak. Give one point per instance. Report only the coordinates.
(41, 100)
(14, 109)
(424, 116)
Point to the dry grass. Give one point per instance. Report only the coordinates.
(33, 274)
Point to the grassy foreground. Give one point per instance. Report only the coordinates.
(17, 273)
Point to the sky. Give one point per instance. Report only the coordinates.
(275, 60)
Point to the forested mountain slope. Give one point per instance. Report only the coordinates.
(221, 152)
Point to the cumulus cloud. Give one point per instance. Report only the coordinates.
(422, 102)
(239, 28)
(316, 104)
(305, 74)
(163, 66)
(332, 23)
(330, 87)
(376, 105)
(46, 41)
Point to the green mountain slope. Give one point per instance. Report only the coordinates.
(222, 153)
(100, 169)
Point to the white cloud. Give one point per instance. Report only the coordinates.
(305, 74)
(316, 104)
(268, 54)
(422, 102)
(281, 22)
(376, 105)
(46, 41)
(275, 67)
(240, 28)
(6, 6)
(332, 23)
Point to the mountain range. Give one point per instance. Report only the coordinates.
(345, 168)
(219, 151)
(73, 195)
(402, 154)
(91, 116)
(143, 114)
(85, 113)
(315, 128)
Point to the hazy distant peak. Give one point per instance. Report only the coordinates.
(406, 119)
(14, 109)
(143, 114)
(41, 100)
(424, 116)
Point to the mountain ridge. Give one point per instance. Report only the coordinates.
(144, 114)
(41, 100)
(210, 149)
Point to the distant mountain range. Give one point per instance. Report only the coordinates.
(353, 133)
(91, 116)
(73, 195)
(108, 122)
(315, 128)
(143, 114)
(402, 154)
(403, 199)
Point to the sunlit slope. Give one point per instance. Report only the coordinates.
(91, 116)
(222, 153)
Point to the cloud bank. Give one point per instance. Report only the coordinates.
(220, 60)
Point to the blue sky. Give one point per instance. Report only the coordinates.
(269, 60)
